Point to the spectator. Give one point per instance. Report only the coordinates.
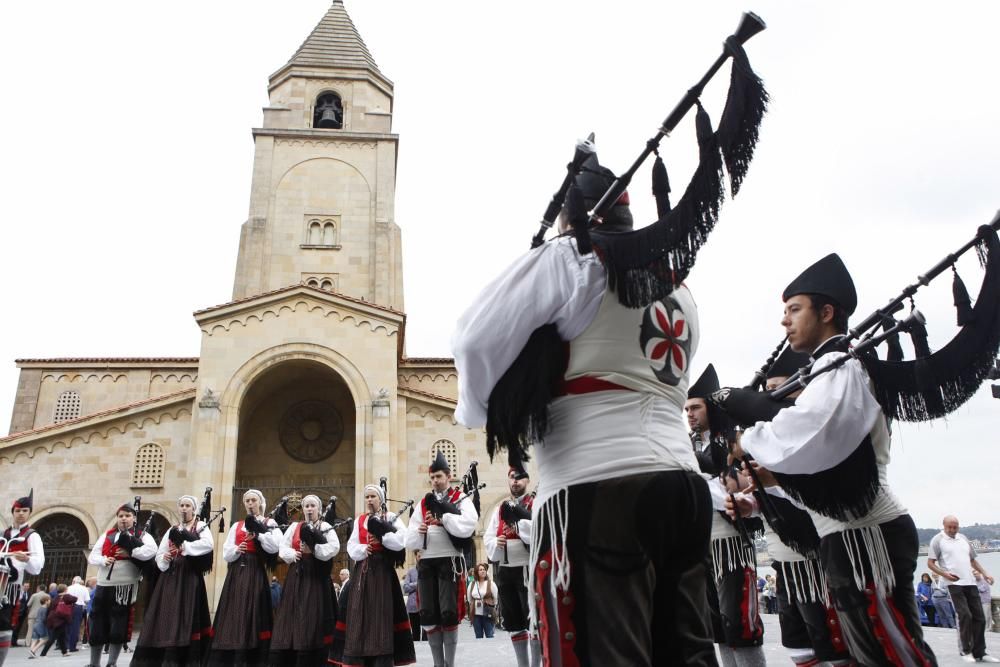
(951, 555)
(81, 595)
(925, 592)
(91, 589)
(57, 620)
(345, 576)
(34, 604)
(483, 596)
(943, 607)
(413, 598)
(986, 596)
(54, 591)
(39, 633)
(275, 593)
(770, 598)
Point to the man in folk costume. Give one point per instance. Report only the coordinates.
(373, 629)
(177, 629)
(441, 529)
(24, 556)
(303, 629)
(829, 452)
(243, 618)
(507, 539)
(120, 554)
(731, 584)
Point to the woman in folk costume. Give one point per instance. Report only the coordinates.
(374, 629)
(243, 617)
(178, 629)
(120, 555)
(303, 629)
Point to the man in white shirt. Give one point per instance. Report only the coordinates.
(829, 452)
(82, 594)
(507, 539)
(440, 528)
(952, 556)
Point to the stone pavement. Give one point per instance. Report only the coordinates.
(497, 652)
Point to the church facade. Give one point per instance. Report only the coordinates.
(302, 384)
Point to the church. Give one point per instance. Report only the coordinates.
(302, 384)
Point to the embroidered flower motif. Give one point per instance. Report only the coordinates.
(665, 339)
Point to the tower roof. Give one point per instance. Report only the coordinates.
(335, 42)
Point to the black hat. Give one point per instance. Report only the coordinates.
(126, 507)
(519, 472)
(705, 385)
(26, 502)
(439, 463)
(787, 363)
(827, 277)
(594, 180)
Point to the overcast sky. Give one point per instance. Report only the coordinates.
(127, 154)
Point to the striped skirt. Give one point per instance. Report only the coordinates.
(178, 629)
(243, 617)
(303, 628)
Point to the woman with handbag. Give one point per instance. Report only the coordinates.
(483, 596)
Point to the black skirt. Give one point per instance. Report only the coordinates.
(178, 629)
(303, 628)
(243, 617)
(373, 620)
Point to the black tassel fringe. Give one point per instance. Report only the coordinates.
(932, 387)
(739, 126)
(661, 187)
(918, 335)
(963, 304)
(842, 492)
(517, 413)
(793, 526)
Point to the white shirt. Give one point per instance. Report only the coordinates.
(203, 545)
(391, 541)
(80, 592)
(477, 591)
(36, 560)
(269, 541)
(831, 416)
(320, 551)
(438, 543)
(517, 548)
(125, 571)
(954, 555)
(551, 284)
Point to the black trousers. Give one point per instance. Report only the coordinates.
(805, 624)
(513, 598)
(56, 636)
(971, 620)
(855, 607)
(637, 590)
(436, 581)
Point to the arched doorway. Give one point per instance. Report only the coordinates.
(296, 437)
(66, 542)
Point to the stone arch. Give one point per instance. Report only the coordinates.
(85, 519)
(67, 539)
(281, 179)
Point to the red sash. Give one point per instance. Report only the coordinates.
(297, 537)
(452, 495)
(364, 537)
(110, 549)
(243, 537)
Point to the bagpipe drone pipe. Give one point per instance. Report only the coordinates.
(646, 264)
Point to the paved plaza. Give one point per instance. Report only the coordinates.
(497, 652)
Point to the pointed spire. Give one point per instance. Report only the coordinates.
(335, 42)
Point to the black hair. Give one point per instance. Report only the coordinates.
(839, 314)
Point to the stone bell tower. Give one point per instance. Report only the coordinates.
(324, 176)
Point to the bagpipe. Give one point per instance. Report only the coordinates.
(129, 540)
(178, 536)
(512, 511)
(9, 574)
(647, 264)
(931, 385)
(382, 522)
(437, 507)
